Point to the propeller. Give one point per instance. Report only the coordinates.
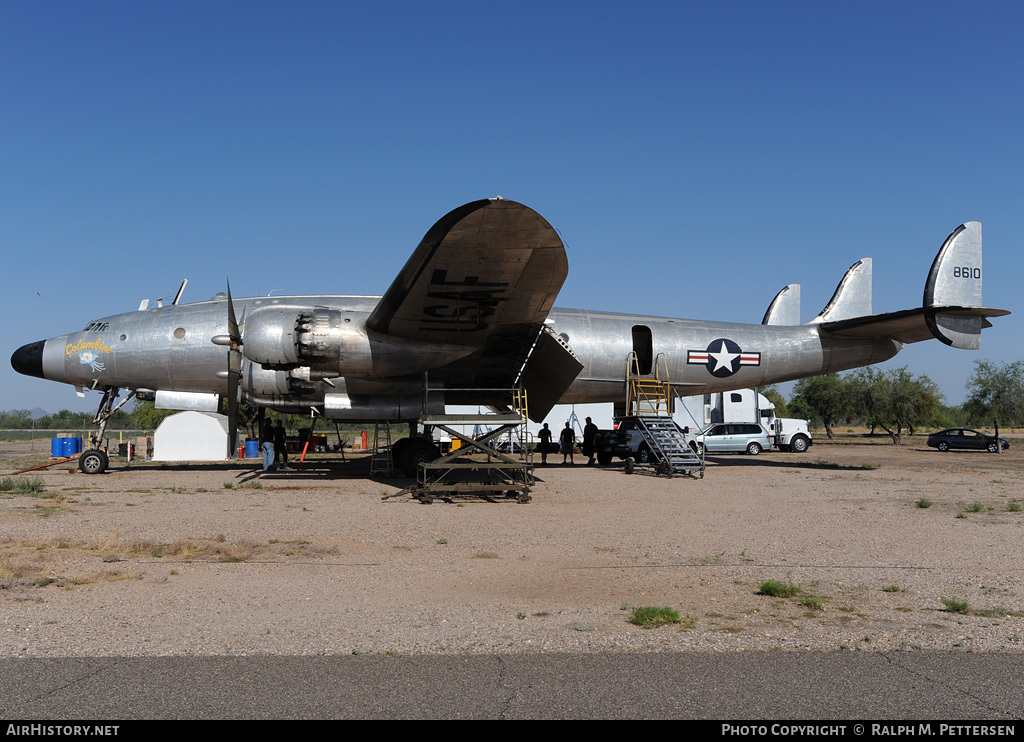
(234, 375)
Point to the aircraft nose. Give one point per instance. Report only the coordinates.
(28, 359)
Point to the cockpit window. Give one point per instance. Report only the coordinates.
(96, 327)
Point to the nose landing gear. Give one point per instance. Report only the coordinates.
(95, 460)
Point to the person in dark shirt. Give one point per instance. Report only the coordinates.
(566, 443)
(267, 444)
(590, 441)
(545, 443)
(280, 451)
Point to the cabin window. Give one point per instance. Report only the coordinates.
(643, 347)
(736, 398)
(179, 332)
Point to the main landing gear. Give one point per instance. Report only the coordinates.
(409, 453)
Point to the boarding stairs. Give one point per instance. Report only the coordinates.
(648, 400)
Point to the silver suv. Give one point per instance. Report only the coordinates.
(751, 438)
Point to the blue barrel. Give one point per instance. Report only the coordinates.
(78, 444)
(252, 449)
(69, 447)
(56, 447)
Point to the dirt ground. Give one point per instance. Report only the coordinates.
(226, 560)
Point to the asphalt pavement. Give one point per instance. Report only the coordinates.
(743, 686)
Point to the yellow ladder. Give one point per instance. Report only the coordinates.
(647, 395)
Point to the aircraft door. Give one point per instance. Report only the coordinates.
(643, 347)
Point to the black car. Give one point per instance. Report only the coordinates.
(967, 439)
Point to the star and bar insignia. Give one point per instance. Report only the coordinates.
(723, 358)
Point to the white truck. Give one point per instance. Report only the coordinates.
(744, 406)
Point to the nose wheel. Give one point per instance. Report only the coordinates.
(93, 461)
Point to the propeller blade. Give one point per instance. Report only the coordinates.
(234, 376)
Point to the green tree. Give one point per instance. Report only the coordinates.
(773, 395)
(996, 392)
(822, 398)
(147, 416)
(893, 400)
(15, 419)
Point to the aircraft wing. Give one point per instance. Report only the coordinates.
(484, 277)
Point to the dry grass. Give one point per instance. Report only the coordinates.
(10, 569)
(35, 561)
(111, 547)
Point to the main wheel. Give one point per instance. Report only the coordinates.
(643, 454)
(993, 447)
(754, 448)
(630, 465)
(798, 444)
(418, 451)
(93, 461)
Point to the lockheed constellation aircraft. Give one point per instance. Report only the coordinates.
(470, 316)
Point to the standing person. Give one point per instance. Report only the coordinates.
(280, 451)
(590, 441)
(566, 443)
(545, 443)
(267, 444)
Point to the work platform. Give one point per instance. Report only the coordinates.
(474, 465)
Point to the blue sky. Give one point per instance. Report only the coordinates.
(684, 151)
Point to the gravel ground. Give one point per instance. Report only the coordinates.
(155, 561)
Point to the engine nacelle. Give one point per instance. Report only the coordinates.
(273, 386)
(283, 338)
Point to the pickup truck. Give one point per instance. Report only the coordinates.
(612, 444)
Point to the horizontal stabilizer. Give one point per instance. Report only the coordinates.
(852, 297)
(910, 325)
(785, 307)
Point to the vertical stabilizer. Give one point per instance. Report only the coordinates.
(955, 281)
(852, 297)
(785, 307)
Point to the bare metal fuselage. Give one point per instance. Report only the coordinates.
(173, 349)
(472, 312)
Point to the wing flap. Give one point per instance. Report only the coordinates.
(548, 373)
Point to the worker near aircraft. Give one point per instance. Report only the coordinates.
(590, 441)
(545, 443)
(566, 443)
(267, 444)
(280, 450)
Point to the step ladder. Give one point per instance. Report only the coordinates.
(381, 461)
(648, 399)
